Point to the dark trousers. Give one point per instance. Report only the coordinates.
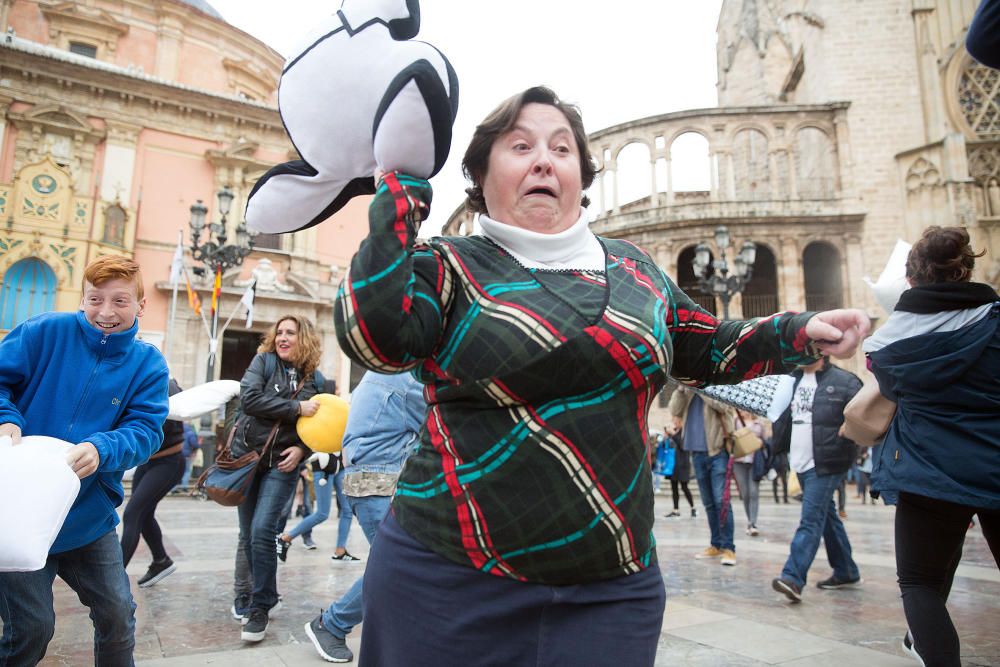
(95, 572)
(421, 609)
(929, 538)
(676, 494)
(152, 481)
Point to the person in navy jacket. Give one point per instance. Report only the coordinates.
(938, 357)
(86, 379)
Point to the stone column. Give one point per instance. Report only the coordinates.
(854, 267)
(791, 282)
(5, 103)
(845, 163)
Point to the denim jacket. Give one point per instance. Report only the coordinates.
(386, 414)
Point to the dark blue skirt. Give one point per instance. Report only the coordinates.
(422, 609)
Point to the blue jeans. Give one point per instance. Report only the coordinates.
(342, 615)
(259, 515)
(710, 471)
(344, 522)
(323, 492)
(95, 571)
(819, 519)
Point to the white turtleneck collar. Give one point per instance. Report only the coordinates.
(574, 248)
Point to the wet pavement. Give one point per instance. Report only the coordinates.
(715, 615)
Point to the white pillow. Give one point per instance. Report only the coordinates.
(37, 489)
(892, 283)
(197, 401)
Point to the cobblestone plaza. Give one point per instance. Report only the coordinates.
(714, 616)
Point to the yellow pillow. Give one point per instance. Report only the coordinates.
(324, 431)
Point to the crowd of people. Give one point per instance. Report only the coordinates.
(497, 454)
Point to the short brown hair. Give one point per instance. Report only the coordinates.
(114, 267)
(309, 349)
(942, 255)
(501, 121)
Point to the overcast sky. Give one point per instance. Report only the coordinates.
(617, 60)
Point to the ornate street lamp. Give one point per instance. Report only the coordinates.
(216, 255)
(718, 282)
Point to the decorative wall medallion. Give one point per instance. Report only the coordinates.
(39, 210)
(44, 184)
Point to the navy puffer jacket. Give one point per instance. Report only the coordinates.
(938, 357)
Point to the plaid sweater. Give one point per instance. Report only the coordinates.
(531, 463)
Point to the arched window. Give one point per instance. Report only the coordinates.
(633, 173)
(690, 165)
(824, 287)
(114, 225)
(29, 288)
(815, 164)
(979, 99)
(760, 296)
(687, 281)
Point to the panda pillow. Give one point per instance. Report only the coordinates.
(357, 96)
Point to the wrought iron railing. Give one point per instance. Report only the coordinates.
(824, 301)
(759, 305)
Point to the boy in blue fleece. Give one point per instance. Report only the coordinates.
(83, 378)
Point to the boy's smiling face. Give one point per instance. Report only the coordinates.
(112, 306)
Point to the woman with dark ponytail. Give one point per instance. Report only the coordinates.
(938, 357)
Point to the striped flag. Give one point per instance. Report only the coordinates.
(193, 299)
(217, 290)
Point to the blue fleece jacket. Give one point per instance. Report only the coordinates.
(61, 377)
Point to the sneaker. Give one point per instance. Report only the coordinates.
(694, 512)
(345, 557)
(330, 647)
(909, 649)
(282, 548)
(241, 607)
(157, 570)
(752, 531)
(256, 626)
(308, 543)
(833, 582)
(270, 612)
(672, 514)
(728, 557)
(791, 591)
(710, 552)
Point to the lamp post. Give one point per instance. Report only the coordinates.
(718, 281)
(216, 255)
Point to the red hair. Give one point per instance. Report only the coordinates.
(114, 267)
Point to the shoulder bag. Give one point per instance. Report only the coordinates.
(745, 441)
(868, 415)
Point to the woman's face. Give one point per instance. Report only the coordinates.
(286, 340)
(533, 178)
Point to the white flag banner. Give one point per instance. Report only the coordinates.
(177, 265)
(247, 300)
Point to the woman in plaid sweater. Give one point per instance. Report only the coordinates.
(521, 530)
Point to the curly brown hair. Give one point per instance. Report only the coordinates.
(500, 121)
(942, 255)
(309, 349)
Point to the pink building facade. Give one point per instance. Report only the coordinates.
(116, 116)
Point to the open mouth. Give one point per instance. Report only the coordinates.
(541, 190)
(105, 325)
